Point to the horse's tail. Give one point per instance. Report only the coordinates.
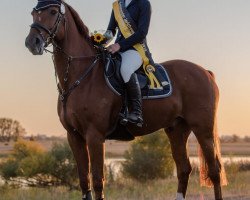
(204, 178)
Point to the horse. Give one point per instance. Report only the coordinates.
(91, 108)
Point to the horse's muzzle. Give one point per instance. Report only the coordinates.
(35, 44)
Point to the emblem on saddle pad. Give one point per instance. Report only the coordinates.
(150, 69)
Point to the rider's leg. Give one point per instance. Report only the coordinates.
(131, 61)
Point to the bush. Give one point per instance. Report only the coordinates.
(63, 165)
(21, 162)
(31, 165)
(149, 158)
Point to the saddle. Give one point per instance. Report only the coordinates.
(116, 83)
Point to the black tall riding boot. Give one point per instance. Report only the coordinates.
(135, 100)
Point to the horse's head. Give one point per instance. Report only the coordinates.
(48, 25)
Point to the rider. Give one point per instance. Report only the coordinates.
(140, 12)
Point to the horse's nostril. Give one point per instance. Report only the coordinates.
(38, 41)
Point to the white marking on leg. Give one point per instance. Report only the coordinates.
(179, 196)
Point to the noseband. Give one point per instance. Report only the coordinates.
(51, 32)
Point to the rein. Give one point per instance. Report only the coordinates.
(63, 93)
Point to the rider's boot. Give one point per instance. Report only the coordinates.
(135, 100)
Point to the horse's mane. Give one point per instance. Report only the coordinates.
(81, 27)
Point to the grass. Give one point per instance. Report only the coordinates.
(126, 189)
(7, 193)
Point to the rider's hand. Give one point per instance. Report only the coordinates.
(114, 48)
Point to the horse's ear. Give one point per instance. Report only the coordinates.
(62, 9)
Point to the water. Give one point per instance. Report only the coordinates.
(193, 159)
(116, 163)
(225, 159)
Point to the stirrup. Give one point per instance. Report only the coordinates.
(138, 122)
(124, 119)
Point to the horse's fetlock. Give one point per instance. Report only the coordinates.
(185, 173)
(87, 196)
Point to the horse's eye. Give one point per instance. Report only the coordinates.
(53, 12)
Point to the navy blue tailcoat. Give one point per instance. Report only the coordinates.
(140, 12)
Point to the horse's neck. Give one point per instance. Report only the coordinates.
(75, 45)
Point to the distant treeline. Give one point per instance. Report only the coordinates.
(11, 129)
(226, 138)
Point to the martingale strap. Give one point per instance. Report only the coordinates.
(127, 29)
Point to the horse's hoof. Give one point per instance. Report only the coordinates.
(87, 196)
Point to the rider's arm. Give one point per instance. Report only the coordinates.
(143, 26)
(112, 24)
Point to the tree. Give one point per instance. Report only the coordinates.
(235, 138)
(246, 139)
(10, 129)
(149, 158)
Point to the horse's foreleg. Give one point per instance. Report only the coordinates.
(178, 136)
(95, 141)
(81, 155)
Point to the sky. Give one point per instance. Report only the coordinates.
(214, 34)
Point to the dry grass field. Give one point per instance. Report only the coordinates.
(114, 148)
(125, 189)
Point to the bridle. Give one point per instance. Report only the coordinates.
(63, 92)
(51, 32)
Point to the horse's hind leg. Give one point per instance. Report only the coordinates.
(205, 137)
(81, 155)
(178, 136)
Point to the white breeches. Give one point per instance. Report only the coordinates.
(131, 61)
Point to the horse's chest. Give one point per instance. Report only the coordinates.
(80, 115)
(67, 118)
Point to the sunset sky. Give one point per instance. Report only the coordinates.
(211, 33)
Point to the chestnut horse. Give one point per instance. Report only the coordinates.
(91, 109)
